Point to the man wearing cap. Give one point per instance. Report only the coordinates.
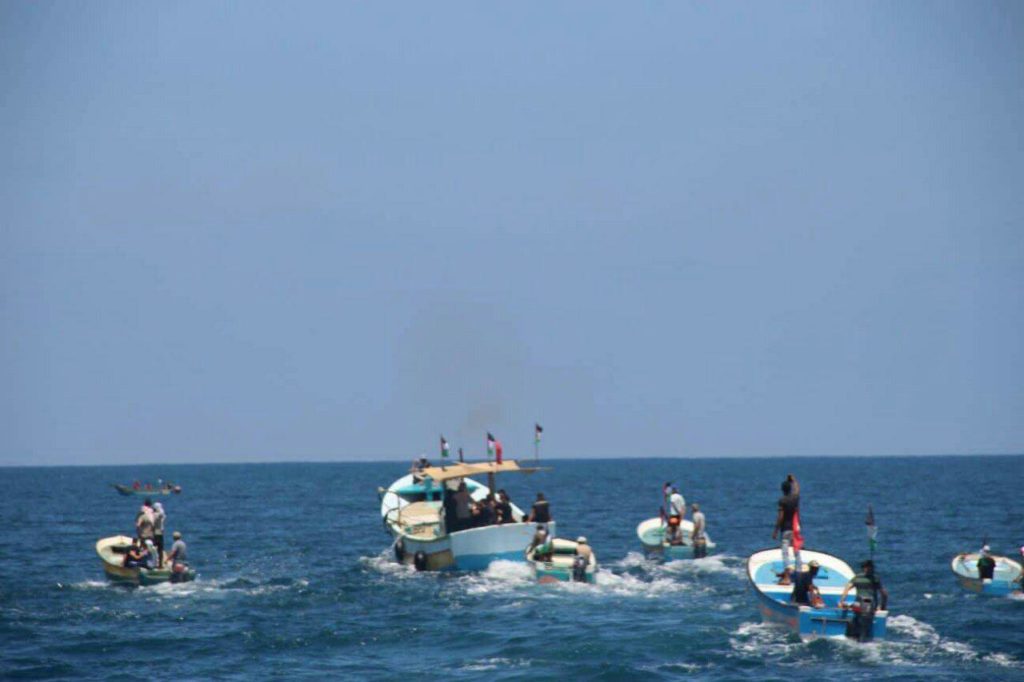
(178, 557)
(986, 564)
(804, 587)
(583, 549)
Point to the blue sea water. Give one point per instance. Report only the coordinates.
(296, 580)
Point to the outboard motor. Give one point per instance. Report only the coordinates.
(419, 560)
(579, 569)
(861, 625)
(400, 550)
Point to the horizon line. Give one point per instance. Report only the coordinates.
(393, 460)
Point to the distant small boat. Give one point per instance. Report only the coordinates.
(965, 567)
(562, 567)
(163, 490)
(112, 551)
(830, 620)
(652, 536)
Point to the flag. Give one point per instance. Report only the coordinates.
(490, 445)
(798, 536)
(872, 529)
(537, 430)
(497, 451)
(460, 455)
(445, 450)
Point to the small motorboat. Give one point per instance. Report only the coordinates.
(166, 489)
(1005, 579)
(563, 565)
(830, 619)
(652, 536)
(112, 551)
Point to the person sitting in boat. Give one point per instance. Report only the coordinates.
(804, 589)
(699, 536)
(541, 544)
(419, 464)
(178, 556)
(136, 486)
(786, 577)
(505, 507)
(986, 564)
(134, 557)
(540, 512)
(482, 513)
(674, 532)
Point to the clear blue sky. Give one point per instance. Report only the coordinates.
(252, 231)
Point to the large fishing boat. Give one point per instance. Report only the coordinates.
(412, 509)
(1005, 578)
(764, 570)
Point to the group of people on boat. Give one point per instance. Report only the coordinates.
(462, 512)
(147, 549)
(161, 486)
(675, 504)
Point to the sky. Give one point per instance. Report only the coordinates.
(328, 231)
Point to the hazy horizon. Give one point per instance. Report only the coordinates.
(260, 231)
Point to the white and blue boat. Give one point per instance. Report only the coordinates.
(1005, 578)
(412, 511)
(652, 536)
(829, 620)
(561, 566)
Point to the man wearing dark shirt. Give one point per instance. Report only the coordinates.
(789, 505)
(541, 511)
(804, 587)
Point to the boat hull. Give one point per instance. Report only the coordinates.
(829, 620)
(128, 491)
(1004, 582)
(467, 550)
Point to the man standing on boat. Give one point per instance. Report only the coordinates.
(787, 519)
(676, 504)
(869, 588)
(699, 537)
(540, 513)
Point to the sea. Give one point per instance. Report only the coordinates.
(297, 580)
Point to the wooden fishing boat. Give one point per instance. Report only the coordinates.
(1004, 581)
(413, 513)
(112, 551)
(147, 492)
(652, 536)
(830, 619)
(562, 565)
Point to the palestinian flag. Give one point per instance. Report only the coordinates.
(445, 449)
(872, 530)
(537, 430)
(798, 536)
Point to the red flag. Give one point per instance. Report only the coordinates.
(497, 451)
(798, 537)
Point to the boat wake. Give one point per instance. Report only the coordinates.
(911, 643)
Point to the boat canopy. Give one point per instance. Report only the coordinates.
(462, 470)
